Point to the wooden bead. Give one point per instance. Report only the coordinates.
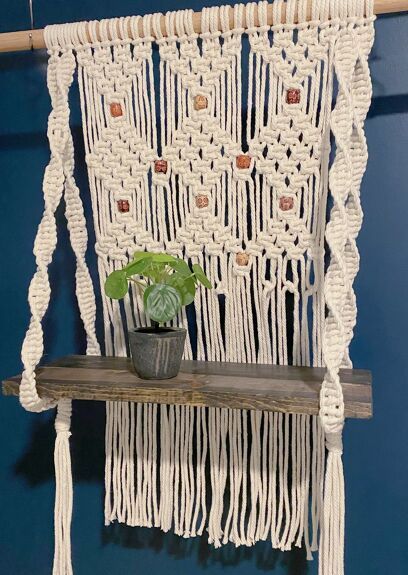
(123, 206)
(242, 259)
(116, 110)
(160, 166)
(243, 162)
(286, 203)
(202, 201)
(200, 102)
(293, 96)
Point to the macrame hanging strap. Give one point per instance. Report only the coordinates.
(59, 78)
(58, 183)
(58, 178)
(350, 54)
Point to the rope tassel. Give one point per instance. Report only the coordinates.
(63, 490)
(332, 522)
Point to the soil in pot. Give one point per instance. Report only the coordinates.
(157, 352)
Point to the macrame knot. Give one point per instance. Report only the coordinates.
(334, 442)
(63, 419)
(62, 431)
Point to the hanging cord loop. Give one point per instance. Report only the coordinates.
(58, 182)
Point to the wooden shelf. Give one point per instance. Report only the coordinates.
(243, 386)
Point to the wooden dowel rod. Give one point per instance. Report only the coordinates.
(34, 39)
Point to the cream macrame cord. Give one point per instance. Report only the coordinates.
(227, 166)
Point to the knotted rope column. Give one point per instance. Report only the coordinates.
(60, 75)
(59, 78)
(58, 182)
(350, 49)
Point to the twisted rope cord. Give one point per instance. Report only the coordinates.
(345, 219)
(75, 212)
(79, 242)
(59, 78)
(360, 92)
(354, 94)
(58, 175)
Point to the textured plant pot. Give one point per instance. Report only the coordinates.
(157, 353)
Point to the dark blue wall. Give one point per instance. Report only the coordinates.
(376, 459)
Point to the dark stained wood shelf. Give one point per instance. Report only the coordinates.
(286, 389)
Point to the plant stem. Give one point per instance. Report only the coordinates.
(142, 285)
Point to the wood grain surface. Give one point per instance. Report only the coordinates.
(287, 389)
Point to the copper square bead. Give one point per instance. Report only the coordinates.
(286, 203)
(160, 166)
(202, 201)
(123, 206)
(116, 110)
(293, 96)
(242, 259)
(243, 162)
(200, 102)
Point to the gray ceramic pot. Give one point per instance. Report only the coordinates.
(157, 353)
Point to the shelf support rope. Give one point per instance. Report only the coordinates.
(58, 183)
(350, 61)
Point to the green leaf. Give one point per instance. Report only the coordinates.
(162, 258)
(162, 302)
(116, 285)
(181, 267)
(185, 286)
(141, 256)
(138, 267)
(200, 275)
(146, 294)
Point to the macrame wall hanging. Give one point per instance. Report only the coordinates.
(228, 148)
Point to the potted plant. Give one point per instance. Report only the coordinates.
(166, 283)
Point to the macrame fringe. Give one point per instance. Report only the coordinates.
(331, 550)
(244, 476)
(63, 490)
